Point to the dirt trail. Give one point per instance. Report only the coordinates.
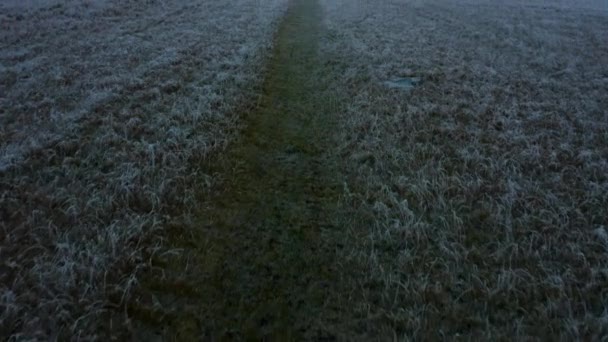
(264, 258)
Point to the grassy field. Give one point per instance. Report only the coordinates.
(487, 184)
(106, 110)
(261, 252)
(239, 169)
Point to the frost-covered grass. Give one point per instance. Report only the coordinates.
(487, 186)
(107, 108)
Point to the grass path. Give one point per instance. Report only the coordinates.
(264, 256)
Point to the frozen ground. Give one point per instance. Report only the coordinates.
(105, 106)
(474, 204)
(487, 185)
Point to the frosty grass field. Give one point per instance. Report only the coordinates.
(106, 108)
(481, 195)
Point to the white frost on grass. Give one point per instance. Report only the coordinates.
(489, 181)
(106, 109)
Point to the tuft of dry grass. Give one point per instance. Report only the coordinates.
(486, 187)
(107, 108)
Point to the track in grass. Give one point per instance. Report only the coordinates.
(263, 260)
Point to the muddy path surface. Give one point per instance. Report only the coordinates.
(262, 258)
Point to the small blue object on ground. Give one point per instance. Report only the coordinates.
(405, 83)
